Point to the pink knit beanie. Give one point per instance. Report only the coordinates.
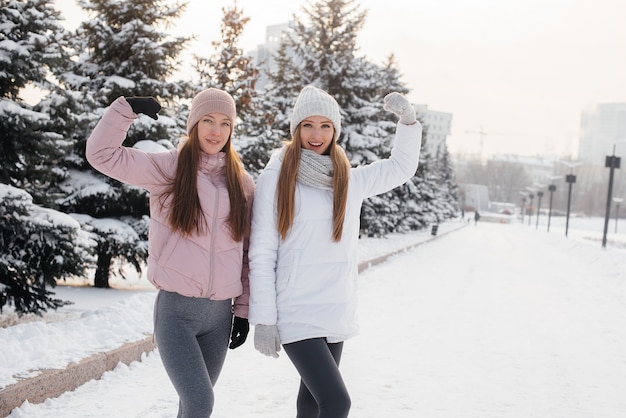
(208, 101)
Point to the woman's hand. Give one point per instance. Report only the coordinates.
(266, 340)
(146, 105)
(398, 104)
(238, 336)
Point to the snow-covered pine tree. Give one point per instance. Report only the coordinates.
(448, 187)
(434, 186)
(120, 52)
(31, 47)
(38, 247)
(227, 68)
(423, 189)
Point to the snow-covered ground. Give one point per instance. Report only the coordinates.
(489, 321)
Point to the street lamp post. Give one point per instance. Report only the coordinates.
(523, 208)
(539, 196)
(551, 189)
(530, 207)
(570, 179)
(611, 162)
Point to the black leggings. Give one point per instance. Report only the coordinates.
(323, 393)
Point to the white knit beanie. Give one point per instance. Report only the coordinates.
(315, 102)
(209, 101)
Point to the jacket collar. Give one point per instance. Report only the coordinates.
(212, 163)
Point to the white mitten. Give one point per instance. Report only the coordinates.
(398, 104)
(266, 340)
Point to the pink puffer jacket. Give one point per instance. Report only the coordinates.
(210, 265)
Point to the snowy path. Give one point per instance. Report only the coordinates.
(493, 321)
(499, 335)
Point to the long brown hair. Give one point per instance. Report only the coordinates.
(186, 213)
(287, 185)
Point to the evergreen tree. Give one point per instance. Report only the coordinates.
(283, 85)
(230, 70)
(423, 188)
(448, 187)
(325, 48)
(124, 240)
(119, 52)
(391, 78)
(31, 43)
(38, 246)
(122, 53)
(31, 47)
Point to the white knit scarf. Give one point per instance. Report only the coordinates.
(315, 170)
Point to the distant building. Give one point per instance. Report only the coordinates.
(437, 126)
(600, 129)
(264, 54)
(474, 197)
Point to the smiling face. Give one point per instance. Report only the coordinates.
(316, 134)
(213, 132)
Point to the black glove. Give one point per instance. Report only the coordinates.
(238, 336)
(146, 105)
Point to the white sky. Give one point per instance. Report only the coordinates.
(522, 71)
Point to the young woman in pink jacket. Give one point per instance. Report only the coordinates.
(200, 209)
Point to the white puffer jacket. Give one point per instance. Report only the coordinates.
(306, 284)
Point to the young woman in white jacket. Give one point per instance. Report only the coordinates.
(303, 245)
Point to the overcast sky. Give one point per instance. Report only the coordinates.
(522, 71)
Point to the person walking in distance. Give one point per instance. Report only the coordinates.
(200, 210)
(303, 245)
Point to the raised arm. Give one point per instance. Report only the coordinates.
(384, 175)
(105, 152)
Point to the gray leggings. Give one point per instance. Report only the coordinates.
(192, 337)
(322, 393)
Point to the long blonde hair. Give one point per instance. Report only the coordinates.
(287, 185)
(186, 213)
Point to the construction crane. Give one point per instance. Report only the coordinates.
(483, 134)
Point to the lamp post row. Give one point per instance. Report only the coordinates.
(612, 162)
(570, 179)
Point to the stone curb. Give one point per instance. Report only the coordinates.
(364, 265)
(51, 383)
(54, 382)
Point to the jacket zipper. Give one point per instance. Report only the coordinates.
(212, 232)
